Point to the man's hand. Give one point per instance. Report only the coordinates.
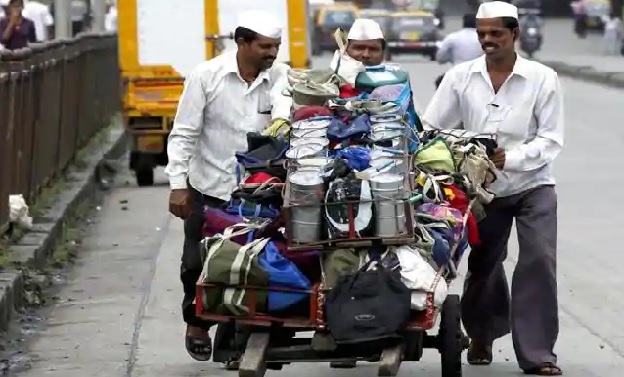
(179, 204)
(498, 158)
(278, 127)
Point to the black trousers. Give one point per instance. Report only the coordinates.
(191, 258)
(230, 339)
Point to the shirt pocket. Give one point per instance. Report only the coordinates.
(264, 106)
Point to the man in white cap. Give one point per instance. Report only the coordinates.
(521, 102)
(223, 99)
(366, 42)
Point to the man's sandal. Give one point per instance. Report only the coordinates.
(548, 369)
(199, 349)
(479, 354)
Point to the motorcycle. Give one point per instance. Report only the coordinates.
(580, 26)
(531, 41)
(531, 36)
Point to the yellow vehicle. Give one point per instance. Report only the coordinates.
(160, 42)
(326, 20)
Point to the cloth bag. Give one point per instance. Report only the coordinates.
(357, 307)
(435, 155)
(418, 275)
(282, 273)
(234, 266)
(314, 87)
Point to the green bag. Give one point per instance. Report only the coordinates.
(344, 262)
(435, 155)
(337, 263)
(227, 262)
(424, 244)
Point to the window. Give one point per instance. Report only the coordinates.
(413, 22)
(342, 17)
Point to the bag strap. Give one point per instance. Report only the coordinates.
(239, 229)
(233, 298)
(342, 47)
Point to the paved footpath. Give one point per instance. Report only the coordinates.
(119, 314)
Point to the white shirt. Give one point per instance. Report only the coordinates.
(459, 47)
(217, 109)
(526, 115)
(78, 10)
(40, 15)
(578, 7)
(110, 21)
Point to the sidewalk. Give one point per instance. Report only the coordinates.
(607, 70)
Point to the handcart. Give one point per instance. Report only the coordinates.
(271, 341)
(268, 339)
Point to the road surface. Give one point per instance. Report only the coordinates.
(119, 316)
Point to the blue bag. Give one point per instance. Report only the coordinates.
(282, 273)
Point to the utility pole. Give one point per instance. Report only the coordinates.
(99, 14)
(62, 19)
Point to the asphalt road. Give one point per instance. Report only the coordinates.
(119, 316)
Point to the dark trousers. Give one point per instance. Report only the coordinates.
(191, 258)
(230, 339)
(531, 312)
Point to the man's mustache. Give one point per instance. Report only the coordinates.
(486, 45)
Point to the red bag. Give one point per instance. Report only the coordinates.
(217, 220)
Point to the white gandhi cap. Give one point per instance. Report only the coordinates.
(497, 9)
(364, 29)
(263, 23)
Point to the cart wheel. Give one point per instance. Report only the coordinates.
(450, 337)
(253, 363)
(413, 345)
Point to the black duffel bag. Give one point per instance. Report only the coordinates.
(369, 305)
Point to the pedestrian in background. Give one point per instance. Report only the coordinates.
(460, 46)
(16, 31)
(579, 10)
(613, 34)
(40, 15)
(110, 21)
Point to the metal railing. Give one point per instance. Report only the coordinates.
(54, 97)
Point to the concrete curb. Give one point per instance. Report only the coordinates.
(589, 74)
(35, 248)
